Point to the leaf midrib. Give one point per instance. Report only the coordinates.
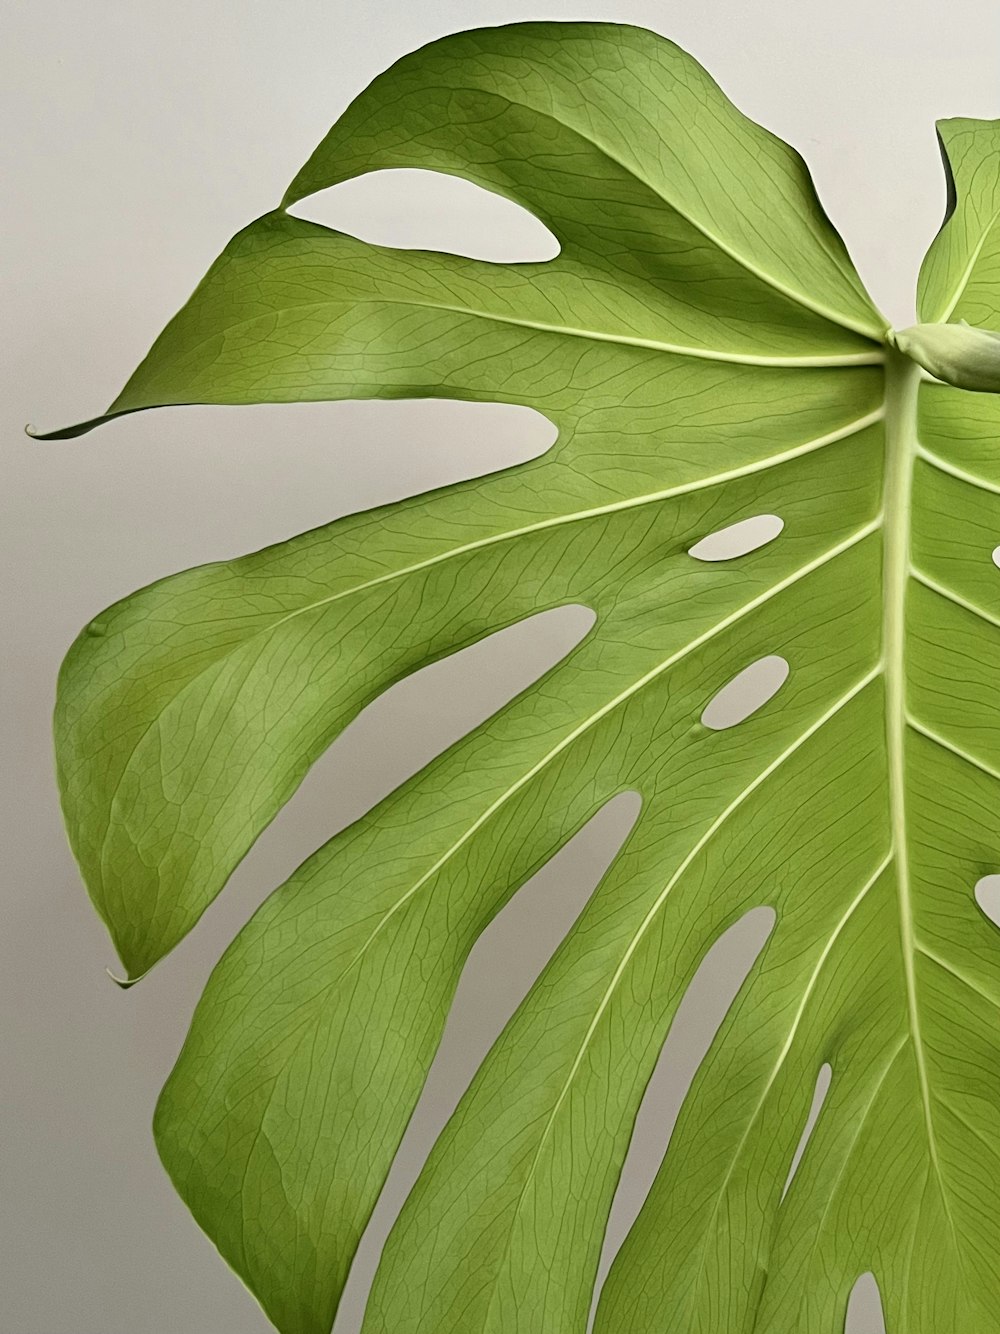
(902, 386)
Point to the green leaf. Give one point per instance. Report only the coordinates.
(960, 278)
(707, 354)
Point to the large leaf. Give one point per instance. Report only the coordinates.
(707, 353)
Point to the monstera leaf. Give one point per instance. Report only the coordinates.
(707, 353)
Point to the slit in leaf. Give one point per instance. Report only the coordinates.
(699, 1016)
(411, 209)
(397, 734)
(498, 973)
(275, 469)
(820, 1091)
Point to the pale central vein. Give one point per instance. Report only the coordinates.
(902, 383)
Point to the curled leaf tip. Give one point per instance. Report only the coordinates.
(66, 432)
(124, 982)
(959, 354)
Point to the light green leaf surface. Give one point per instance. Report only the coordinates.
(960, 277)
(707, 353)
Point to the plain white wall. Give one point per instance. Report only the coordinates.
(138, 138)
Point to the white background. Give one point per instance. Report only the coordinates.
(137, 138)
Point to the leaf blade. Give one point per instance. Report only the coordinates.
(706, 352)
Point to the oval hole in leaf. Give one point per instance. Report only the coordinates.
(699, 1016)
(819, 1097)
(987, 893)
(995, 556)
(499, 971)
(738, 539)
(407, 208)
(864, 1307)
(748, 691)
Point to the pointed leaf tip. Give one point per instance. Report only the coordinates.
(68, 432)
